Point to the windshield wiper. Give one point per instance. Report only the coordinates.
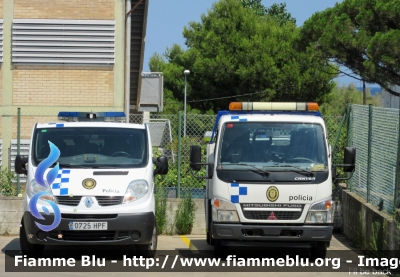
(296, 169)
(85, 166)
(72, 166)
(256, 169)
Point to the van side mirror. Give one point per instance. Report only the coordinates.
(195, 157)
(161, 165)
(20, 165)
(349, 159)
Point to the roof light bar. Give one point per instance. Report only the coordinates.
(273, 106)
(90, 116)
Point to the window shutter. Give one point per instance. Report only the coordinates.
(69, 42)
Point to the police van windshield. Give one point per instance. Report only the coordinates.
(92, 147)
(273, 146)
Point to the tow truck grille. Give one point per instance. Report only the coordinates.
(272, 211)
(271, 215)
(102, 200)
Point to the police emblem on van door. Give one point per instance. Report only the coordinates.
(89, 183)
(272, 194)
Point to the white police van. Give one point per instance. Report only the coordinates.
(90, 181)
(269, 177)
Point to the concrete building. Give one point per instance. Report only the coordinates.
(67, 55)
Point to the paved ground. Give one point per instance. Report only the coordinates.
(180, 243)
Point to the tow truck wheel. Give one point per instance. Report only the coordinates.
(33, 250)
(319, 251)
(220, 251)
(149, 250)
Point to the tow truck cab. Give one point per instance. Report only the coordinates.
(269, 177)
(90, 181)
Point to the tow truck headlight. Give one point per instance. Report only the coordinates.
(136, 190)
(321, 212)
(223, 211)
(35, 188)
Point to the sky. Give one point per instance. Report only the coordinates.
(166, 20)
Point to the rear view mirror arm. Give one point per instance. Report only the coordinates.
(336, 179)
(344, 179)
(342, 165)
(199, 177)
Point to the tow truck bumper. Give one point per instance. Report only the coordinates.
(272, 236)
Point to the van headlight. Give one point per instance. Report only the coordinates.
(321, 212)
(223, 211)
(136, 190)
(35, 188)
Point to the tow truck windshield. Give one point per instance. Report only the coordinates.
(93, 147)
(273, 147)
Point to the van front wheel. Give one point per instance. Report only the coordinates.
(27, 248)
(149, 250)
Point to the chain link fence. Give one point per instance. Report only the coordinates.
(164, 136)
(193, 134)
(374, 132)
(8, 143)
(196, 126)
(338, 140)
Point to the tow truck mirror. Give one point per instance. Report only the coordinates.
(161, 165)
(20, 165)
(195, 157)
(349, 159)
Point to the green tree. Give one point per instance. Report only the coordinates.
(7, 178)
(280, 14)
(173, 77)
(235, 55)
(362, 35)
(334, 103)
(277, 11)
(255, 5)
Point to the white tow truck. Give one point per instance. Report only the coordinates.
(269, 177)
(90, 181)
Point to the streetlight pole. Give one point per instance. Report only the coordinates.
(186, 72)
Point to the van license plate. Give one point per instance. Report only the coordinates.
(87, 226)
